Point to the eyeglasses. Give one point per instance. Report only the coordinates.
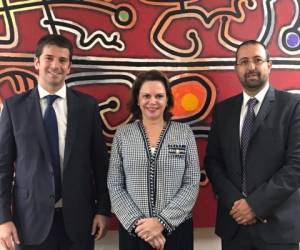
(256, 60)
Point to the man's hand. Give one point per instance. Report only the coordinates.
(8, 235)
(242, 213)
(100, 226)
(250, 222)
(148, 228)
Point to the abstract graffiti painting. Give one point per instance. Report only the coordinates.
(192, 41)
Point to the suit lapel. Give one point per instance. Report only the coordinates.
(236, 113)
(36, 118)
(72, 124)
(264, 109)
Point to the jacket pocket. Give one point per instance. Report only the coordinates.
(21, 192)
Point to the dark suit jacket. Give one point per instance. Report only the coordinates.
(272, 162)
(26, 175)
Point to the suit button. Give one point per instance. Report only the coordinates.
(51, 196)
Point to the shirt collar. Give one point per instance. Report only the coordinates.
(62, 92)
(259, 96)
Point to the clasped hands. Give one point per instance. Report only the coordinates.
(242, 213)
(150, 230)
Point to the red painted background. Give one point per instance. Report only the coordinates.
(193, 42)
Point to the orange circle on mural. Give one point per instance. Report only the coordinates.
(189, 98)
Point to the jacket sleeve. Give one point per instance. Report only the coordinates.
(182, 203)
(100, 166)
(7, 158)
(122, 205)
(226, 192)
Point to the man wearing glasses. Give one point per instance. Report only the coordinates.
(253, 159)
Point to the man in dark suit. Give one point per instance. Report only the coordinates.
(253, 160)
(53, 161)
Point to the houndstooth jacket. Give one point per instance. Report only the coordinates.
(163, 184)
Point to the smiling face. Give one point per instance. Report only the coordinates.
(252, 68)
(152, 101)
(53, 66)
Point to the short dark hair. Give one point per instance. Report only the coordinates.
(53, 39)
(152, 75)
(252, 42)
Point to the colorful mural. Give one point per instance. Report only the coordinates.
(192, 41)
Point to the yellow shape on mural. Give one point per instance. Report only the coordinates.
(190, 102)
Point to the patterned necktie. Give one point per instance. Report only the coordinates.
(51, 127)
(245, 137)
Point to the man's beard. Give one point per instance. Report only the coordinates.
(254, 84)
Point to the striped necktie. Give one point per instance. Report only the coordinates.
(245, 137)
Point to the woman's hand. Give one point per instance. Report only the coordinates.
(158, 242)
(148, 228)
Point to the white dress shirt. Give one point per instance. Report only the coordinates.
(259, 96)
(1, 107)
(61, 110)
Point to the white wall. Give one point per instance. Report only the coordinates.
(204, 239)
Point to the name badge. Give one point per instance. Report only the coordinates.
(177, 150)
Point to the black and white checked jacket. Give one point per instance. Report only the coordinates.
(163, 185)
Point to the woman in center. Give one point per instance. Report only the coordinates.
(154, 171)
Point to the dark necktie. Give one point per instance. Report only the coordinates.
(50, 122)
(245, 137)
